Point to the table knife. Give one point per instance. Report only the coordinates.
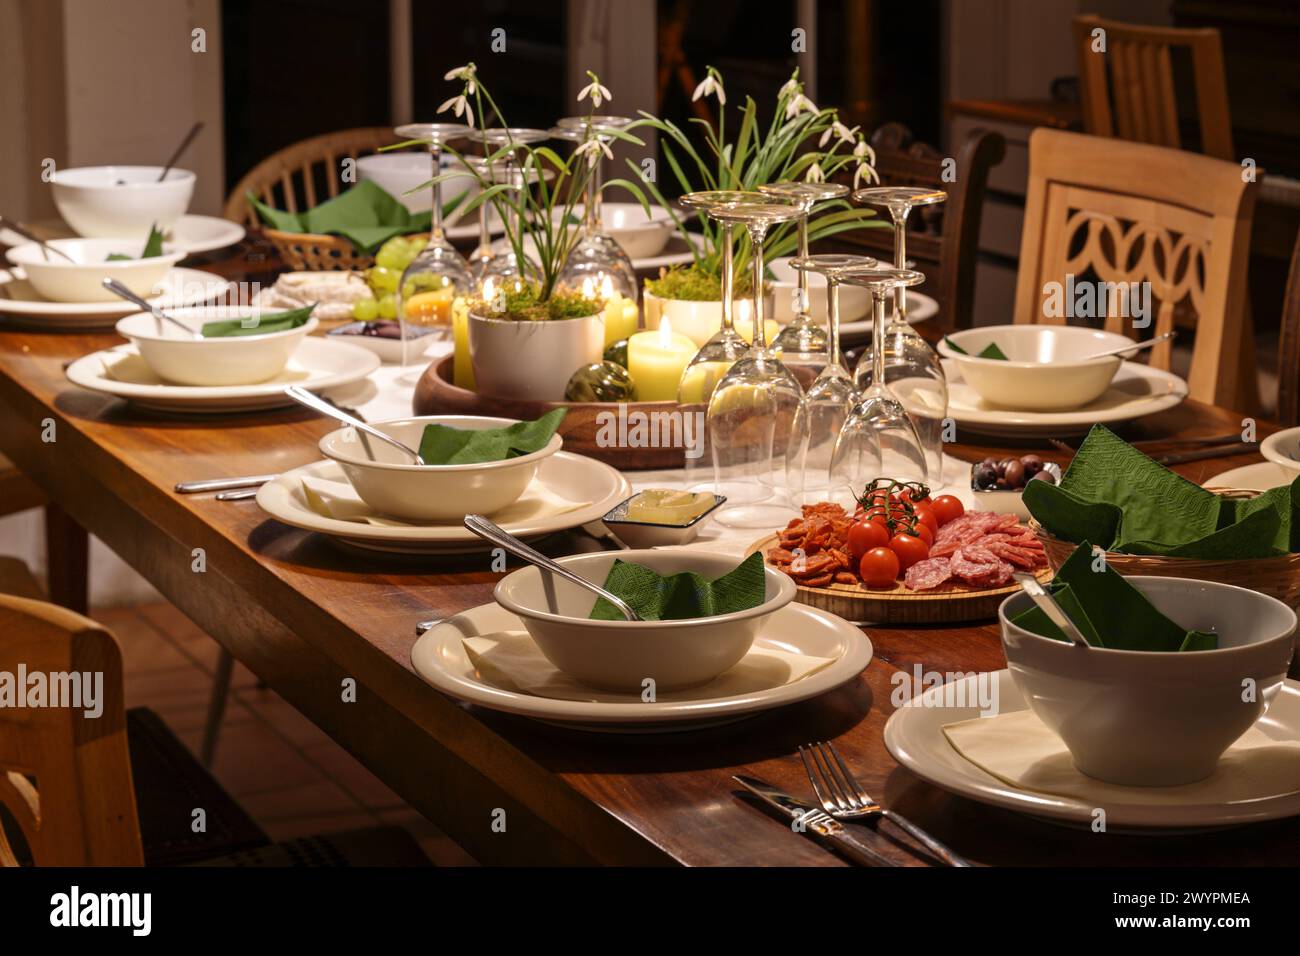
(816, 822)
(222, 484)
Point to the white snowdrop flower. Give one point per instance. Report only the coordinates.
(598, 93)
(460, 106)
(798, 104)
(468, 73)
(815, 174)
(592, 149)
(711, 85)
(867, 172)
(838, 130)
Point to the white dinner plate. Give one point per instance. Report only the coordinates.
(920, 308)
(570, 476)
(21, 305)
(1136, 390)
(674, 254)
(915, 737)
(190, 233)
(439, 657)
(1260, 477)
(317, 365)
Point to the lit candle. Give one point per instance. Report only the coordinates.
(656, 361)
(621, 314)
(462, 369)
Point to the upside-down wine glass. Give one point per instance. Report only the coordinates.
(803, 344)
(756, 411)
(911, 365)
(879, 437)
(439, 273)
(832, 393)
(597, 267)
(505, 264)
(723, 349)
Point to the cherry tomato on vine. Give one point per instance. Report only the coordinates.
(947, 507)
(865, 535)
(925, 515)
(909, 548)
(879, 568)
(925, 534)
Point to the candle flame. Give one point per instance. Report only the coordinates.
(665, 334)
(607, 289)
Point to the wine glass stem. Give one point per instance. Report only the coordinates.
(833, 311)
(803, 273)
(595, 226)
(878, 338)
(728, 278)
(756, 233)
(900, 260)
(435, 153)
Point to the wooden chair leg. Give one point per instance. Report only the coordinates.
(67, 551)
(216, 707)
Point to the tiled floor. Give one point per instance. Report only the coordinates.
(291, 778)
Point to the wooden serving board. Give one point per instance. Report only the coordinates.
(436, 395)
(946, 604)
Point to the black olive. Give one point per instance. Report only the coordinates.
(1014, 474)
(1044, 476)
(1033, 464)
(984, 476)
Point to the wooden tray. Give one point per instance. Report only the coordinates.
(946, 604)
(436, 395)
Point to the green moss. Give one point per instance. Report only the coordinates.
(694, 284)
(523, 306)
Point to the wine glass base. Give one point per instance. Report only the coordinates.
(768, 515)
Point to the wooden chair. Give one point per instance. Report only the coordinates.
(67, 546)
(1102, 209)
(944, 238)
(1288, 358)
(1137, 101)
(119, 789)
(289, 179)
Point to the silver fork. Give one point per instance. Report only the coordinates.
(844, 798)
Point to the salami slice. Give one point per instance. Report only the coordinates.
(927, 574)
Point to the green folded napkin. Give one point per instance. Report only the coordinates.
(263, 324)
(1109, 611)
(990, 351)
(1124, 501)
(152, 247)
(445, 445)
(366, 214)
(683, 596)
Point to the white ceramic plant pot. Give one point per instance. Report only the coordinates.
(532, 360)
(697, 319)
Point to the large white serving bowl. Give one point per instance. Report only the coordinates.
(622, 655)
(82, 280)
(1283, 449)
(641, 235)
(393, 485)
(855, 301)
(398, 173)
(231, 360)
(1157, 719)
(107, 201)
(1046, 368)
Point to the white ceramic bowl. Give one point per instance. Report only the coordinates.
(700, 319)
(234, 360)
(1283, 449)
(394, 485)
(1156, 719)
(648, 534)
(855, 301)
(1046, 369)
(82, 280)
(620, 655)
(398, 172)
(640, 235)
(121, 200)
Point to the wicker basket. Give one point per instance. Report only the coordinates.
(314, 252)
(1277, 577)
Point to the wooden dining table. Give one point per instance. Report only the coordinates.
(331, 630)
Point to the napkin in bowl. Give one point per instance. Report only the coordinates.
(682, 596)
(366, 214)
(339, 500)
(1109, 612)
(990, 351)
(445, 445)
(1022, 752)
(153, 247)
(262, 323)
(1117, 497)
(511, 661)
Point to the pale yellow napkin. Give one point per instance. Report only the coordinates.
(511, 661)
(338, 500)
(1021, 751)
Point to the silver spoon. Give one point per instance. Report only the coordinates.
(318, 404)
(1040, 595)
(26, 233)
(122, 292)
(490, 532)
(1129, 348)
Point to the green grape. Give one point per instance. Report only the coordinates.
(388, 257)
(365, 310)
(388, 306)
(383, 279)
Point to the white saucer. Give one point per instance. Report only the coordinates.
(21, 305)
(440, 658)
(1136, 390)
(570, 476)
(920, 308)
(915, 737)
(317, 365)
(1260, 477)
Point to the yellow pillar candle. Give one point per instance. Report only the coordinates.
(462, 369)
(656, 361)
(621, 318)
(699, 382)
